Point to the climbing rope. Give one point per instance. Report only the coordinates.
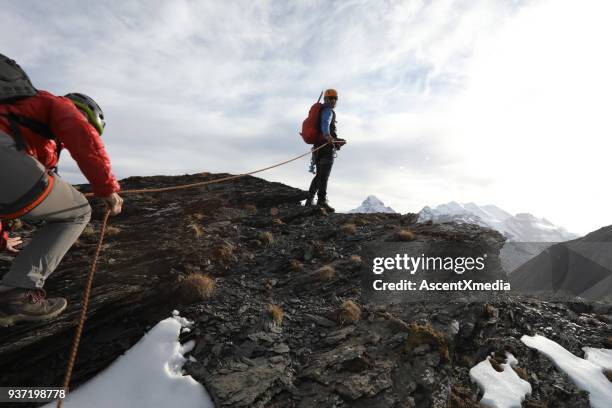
(79, 331)
(94, 261)
(203, 183)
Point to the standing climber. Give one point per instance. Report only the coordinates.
(34, 126)
(324, 157)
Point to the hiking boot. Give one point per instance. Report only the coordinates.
(19, 304)
(325, 204)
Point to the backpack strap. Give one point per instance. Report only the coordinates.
(42, 130)
(15, 130)
(35, 126)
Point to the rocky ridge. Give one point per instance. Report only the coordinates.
(286, 324)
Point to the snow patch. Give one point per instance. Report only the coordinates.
(501, 390)
(586, 374)
(600, 357)
(148, 375)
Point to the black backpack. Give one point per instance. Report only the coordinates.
(14, 82)
(15, 85)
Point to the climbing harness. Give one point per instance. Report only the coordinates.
(94, 261)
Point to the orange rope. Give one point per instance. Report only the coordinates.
(203, 183)
(79, 331)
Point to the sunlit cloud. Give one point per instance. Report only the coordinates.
(488, 101)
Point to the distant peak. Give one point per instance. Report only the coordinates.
(372, 204)
(374, 199)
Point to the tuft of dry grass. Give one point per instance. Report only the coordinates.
(199, 231)
(317, 249)
(406, 235)
(250, 208)
(426, 334)
(195, 287)
(348, 228)
(349, 312)
(223, 251)
(355, 259)
(521, 372)
(276, 312)
(266, 237)
(361, 221)
(326, 273)
(462, 397)
(89, 231)
(323, 211)
(496, 365)
(277, 221)
(296, 265)
(491, 311)
(111, 230)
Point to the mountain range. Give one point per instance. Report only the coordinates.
(526, 235)
(522, 227)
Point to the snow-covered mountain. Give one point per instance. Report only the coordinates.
(522, 227)
(372, 205)
(527, 236)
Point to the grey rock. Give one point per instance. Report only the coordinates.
(253, 386)
(320, 320)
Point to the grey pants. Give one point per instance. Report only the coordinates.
(65, 211)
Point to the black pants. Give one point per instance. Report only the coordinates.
(324, 160)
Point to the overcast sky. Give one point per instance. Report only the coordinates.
(501, 102)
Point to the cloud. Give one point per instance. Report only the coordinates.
(495, 102)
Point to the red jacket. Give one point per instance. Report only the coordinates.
(72, 130)
(3, 238)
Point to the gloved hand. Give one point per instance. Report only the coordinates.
(338, 143)
(113, 202)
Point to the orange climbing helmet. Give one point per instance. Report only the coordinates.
(330, 93)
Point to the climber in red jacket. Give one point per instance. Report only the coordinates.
(34, 127)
